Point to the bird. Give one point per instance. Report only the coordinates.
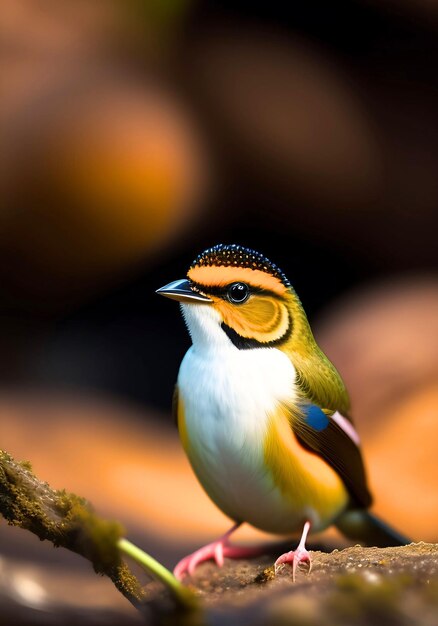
(262, 413)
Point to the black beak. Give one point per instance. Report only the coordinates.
(182, 291)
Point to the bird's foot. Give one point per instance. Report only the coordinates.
(217, 550)
(188, 564)
(295, 558)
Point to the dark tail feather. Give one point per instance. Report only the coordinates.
(361, 525)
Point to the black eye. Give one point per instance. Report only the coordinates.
(238, 293)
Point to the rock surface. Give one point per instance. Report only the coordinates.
(355, 585)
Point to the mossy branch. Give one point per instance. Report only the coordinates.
(68, 520)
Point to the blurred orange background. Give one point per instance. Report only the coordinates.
(134, 135)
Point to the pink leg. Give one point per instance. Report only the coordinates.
(300, 555)
(216, 550)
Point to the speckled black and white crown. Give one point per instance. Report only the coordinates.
(238, 256)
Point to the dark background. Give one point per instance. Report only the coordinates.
(244, 80)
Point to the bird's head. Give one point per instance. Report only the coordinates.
(234, 294)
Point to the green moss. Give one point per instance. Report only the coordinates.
(84, 532)
(265, 576)
(26, 465)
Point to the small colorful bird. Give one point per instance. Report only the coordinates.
(262, 413)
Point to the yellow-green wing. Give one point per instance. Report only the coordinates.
(319, 381)
(318, 432)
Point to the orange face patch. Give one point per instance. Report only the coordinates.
(262, 317)
(220, 276)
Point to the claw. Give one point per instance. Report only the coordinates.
(296, 557)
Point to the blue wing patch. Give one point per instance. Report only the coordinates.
(315, 417)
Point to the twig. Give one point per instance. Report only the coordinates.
(68, 520)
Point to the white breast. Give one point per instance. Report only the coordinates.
(228, 395)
